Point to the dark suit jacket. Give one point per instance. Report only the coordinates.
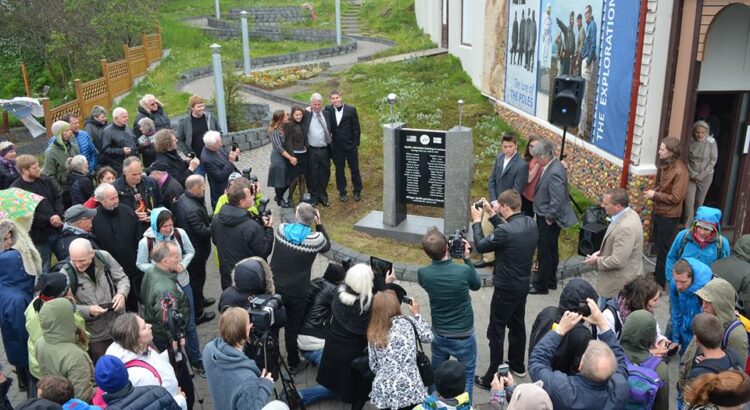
(514, 176)
(307, 117)
(345, 134)
(551, 199)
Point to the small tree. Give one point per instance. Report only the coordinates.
(232, 98)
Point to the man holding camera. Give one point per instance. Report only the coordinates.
(447, 284)
(513, 243)
(297, 246)
(218, 164)
(236, 234)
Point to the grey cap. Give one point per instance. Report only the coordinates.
(77, 212)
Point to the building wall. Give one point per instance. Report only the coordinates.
(429, 18)
(471, 56)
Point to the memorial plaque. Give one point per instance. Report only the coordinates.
(421, 167)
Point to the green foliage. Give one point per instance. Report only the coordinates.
(394, 20)
(232, 98)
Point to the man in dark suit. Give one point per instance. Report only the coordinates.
(316, 124)
(553, 212)
(509, 172)
(344, 147)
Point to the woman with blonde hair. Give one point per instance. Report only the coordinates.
(278, 177)
(702, 156)
(393, 353)
(151, 108)
(726, 390)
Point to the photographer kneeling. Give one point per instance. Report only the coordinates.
(514, 243)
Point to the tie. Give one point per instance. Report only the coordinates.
(325, 129)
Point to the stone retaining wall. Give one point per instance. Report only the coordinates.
(292, 14)
(267, 31)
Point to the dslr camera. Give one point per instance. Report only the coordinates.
(263, 311)
(456, 244)
(248, 173)
(307, 198)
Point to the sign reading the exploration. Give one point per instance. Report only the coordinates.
(422, 167)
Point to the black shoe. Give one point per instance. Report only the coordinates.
(357, 197)
(205, 317)
(481, 383)
(208, 302)
(343, 197)
(552, 286)
(483, 264)
(518, 372)
(535, 291)
(325, 203)
(286, 204)
(296, 368)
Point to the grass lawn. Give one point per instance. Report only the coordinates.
(396, 21)
(428, 89)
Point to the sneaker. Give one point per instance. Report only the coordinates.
(205, 317)
(517, 372)
(296, 368)
(199, 370)
(481, 383)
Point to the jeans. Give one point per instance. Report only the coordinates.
(507, 309)
(192, 345)
(315, 394)
(464, 350)
(664, 232)
(313, 356)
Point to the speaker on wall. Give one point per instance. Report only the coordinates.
(566, 101)
(590, 238)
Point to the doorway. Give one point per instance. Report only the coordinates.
(444, 30)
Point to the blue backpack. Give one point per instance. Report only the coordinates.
(644, 383)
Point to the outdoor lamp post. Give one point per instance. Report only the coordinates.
(216, 3)
(245, 44)
(338, 22)
(219, 83)
(460, 112)
(392, 102)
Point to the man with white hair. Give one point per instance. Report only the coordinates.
(218, 164)
(316, 125)
(602, 381)
(100, 287)
(295, 250)
(117, 232)
(118, 141)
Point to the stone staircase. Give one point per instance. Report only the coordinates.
(350, 18)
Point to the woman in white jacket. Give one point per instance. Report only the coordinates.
(146, 367)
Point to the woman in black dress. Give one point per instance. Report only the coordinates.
(296, 144)
(278, 177)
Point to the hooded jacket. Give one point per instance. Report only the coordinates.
(155, 286)
(141, 376)
(685, 305)
(58, 353)
(143, 260)
(735, 269)
(720, 294)
(95, 129)
(81, 188)
(68, 234)
(435, 402)
(178, 167)
(140, 398)
(161, 121)
(239, 237)
(233, 379)
(109, 280)
(114, 139)
(55, 162)
(637, 336)
(191, 215)
(710, 253)
(87, 147)
(567, 357)
(251, 279)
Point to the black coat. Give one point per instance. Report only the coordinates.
(81, 188)
(567, 358)
(95, 129)
(237, 236)
(169, 192)
(118, 233)
(178, 167)
(346, 134)
(218, 168)
(141, 398)
(307, 117)
(192, 216)
(514, 244)
(147, 188)
(68, 235)
(6, 179)
(318, 308)
(51, 205)
(159, 117)
(514, 176)
(250, 281)
(114, 139)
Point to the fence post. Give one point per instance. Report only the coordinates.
(47, 116)
(126, 49)
(105, 74)
(145, 48)
(158, 36)
(79, 95)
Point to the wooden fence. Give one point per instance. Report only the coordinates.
(117, 79)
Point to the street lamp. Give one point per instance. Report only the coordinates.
(392, 102)
(460, 112)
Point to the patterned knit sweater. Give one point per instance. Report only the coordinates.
(291, 263)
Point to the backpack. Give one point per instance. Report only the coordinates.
(98, 399)
(719, 243)
(177, 237)
(643, 383)
(65, 266)
(744, 322)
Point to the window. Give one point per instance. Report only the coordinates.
(466, 7)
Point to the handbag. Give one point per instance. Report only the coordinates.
(361, 365)
(423, 362)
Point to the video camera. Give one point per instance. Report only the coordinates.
(456, 244)
(175, 320)
(262, 310)
(307, 198)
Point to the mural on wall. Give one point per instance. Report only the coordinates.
(569, 45)
(617, 63)
(521, 63)
(495, 40)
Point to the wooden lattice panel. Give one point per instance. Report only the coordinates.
(118, 69)
(137, 58)
(94, 90)
(71, 107)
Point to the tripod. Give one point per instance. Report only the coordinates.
(562, 157)
(265, 344)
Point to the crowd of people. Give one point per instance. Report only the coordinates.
(112, 319)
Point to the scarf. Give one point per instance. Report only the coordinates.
(702, 243)
(296, 232)
(623, 307)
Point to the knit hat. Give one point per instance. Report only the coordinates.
(110, 374)
(6, 147)
(530, 396)
(59, 127)
(53, 285)
(335, 273)
(78, 212)
(450, 379)
(705, 225)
